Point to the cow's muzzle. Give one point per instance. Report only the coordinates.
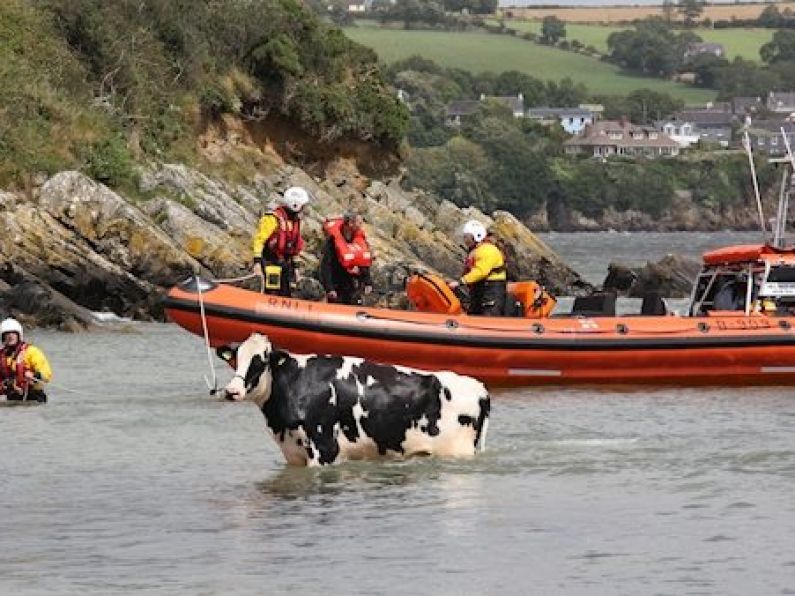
(235, 390)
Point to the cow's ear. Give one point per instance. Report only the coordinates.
(277, 357)
(228, 354)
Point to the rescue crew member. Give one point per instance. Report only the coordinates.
(345, 264)
(278, 241)
(484, 272)
(23, 367)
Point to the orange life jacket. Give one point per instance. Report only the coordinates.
(286, 242)
(352, 255)
(537, 303)
(16, 372)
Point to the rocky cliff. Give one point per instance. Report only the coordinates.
(73, 247)
(684, 215)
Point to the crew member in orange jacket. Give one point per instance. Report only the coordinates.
(484, 273)
(23, 368)
(278, 241)
(345, 264)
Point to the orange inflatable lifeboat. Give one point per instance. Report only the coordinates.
(738, 331)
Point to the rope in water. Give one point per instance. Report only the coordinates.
(105, 394)
(213, 389)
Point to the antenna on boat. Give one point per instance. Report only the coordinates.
(783, 200)
(749, 152)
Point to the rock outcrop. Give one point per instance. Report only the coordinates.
(76, 247)
(672, 277)
(684, 215)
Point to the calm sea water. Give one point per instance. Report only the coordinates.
(590, 253)
(133, 479)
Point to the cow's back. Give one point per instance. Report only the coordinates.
(334, 408)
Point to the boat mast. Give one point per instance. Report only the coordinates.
(755, 180)
(783, 199)
(778, 226)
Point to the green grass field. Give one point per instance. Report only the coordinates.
(481, 52)
(738, 42)
(590, 35)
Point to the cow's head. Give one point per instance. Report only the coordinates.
(253, 376)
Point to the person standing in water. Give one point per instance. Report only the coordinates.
(23, 367)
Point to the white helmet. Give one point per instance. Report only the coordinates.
(474, 228)
(10, 326)
(294, 199)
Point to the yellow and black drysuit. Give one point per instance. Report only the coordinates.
(14, 363)
(486, 277)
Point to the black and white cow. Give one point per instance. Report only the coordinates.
(326, 409)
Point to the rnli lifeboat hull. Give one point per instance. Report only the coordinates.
(654, 350)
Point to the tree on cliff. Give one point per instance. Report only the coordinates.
(137, 70)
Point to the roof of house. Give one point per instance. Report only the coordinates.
(696, 129)
(462, 108)
(704, 118)
(771, 126)
(467, 107)
(545, 112)
(599, 134)
(710, 106)
(778, 98)
(704, 46)
(715, 132)
(513, 102)
(742, 104)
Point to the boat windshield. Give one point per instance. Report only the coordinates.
(779, 285)
(727, 288)
(757, 287)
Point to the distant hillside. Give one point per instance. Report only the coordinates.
(481, 52)
(741, 42)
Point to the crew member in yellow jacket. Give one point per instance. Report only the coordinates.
(484, 272)
(23, 367)
(278, 241)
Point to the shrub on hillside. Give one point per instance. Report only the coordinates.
(132, 67)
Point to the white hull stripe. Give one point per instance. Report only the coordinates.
(533, 372)
(778, 369)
